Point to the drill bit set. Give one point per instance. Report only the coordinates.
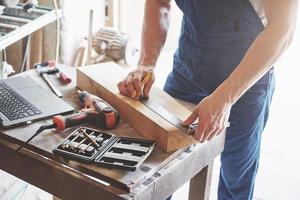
(105, 149)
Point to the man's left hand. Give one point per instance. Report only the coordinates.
(212, 114)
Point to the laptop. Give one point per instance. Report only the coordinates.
(23, 100)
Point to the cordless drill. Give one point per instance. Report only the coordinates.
(96, 111)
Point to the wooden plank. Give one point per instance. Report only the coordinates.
(50, 39)
(90, 37)
(102, 79)
(48, 47)
(14, 55)
(80, 57)
(36, 47)
(109, 13)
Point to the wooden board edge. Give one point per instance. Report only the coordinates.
(175, 140)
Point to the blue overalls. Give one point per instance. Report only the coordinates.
(215, 36)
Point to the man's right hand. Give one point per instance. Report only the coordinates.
(133, 82)
(154, 33)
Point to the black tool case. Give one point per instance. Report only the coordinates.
(113, 151)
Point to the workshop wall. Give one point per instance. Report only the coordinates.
(75, 25)
(43, 41)
(131, 21)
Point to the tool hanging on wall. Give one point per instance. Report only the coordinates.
(30, 5)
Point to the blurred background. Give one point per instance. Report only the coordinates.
(278, 177)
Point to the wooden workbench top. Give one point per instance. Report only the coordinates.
(41, 148)
(49, 139)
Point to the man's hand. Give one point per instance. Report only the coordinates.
(154, 33)
(133, 82)
(212, 114)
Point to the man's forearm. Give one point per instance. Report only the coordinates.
(155, 28)
(260, 57)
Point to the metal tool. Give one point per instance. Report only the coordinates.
(88, 137)
(162, 112)
(50, 67)
(49, 63)
(101, 114)
(51, 84)
(30, 5)
(114, 152)
(165, 114)
(109, 116)
(73, 140)
(43, 71)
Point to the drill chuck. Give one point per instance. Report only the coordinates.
(83, 95)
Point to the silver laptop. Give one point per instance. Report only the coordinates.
(23, 100)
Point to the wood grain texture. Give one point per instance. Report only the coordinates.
(51, 176)
(102, 79)
(36, 47)
(15, 54)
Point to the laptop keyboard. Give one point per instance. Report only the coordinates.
(14, 106)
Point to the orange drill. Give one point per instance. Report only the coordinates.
(96, 110)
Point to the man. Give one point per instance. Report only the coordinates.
(224, 65)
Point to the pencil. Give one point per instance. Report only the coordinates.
(144, 81)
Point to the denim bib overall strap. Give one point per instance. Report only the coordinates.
(215, 36)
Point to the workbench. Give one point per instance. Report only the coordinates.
(157, 178)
